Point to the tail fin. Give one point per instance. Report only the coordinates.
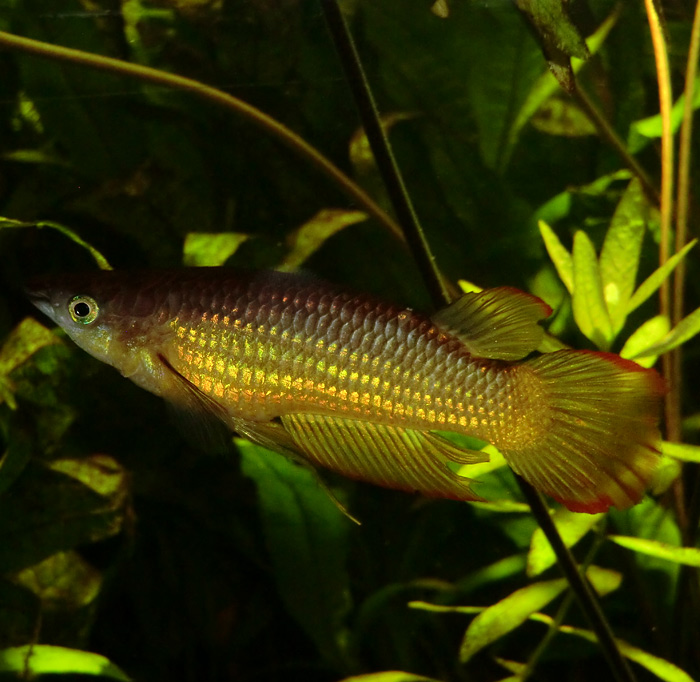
(600, 447)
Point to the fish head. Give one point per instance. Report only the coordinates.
(106, 315)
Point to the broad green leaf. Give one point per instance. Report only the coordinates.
(619, 257)
(656, 279)
(685, 330)
(26, 338)
(46, 511)
(571, 526)
(99, 472)
(388, 676)
(305, 241)
(561, 258)
(73, 236)
(506, 615)
(681, 451)
(646, 337)
(688, 556)
(307, 538)
(546, 85)
(204, 249)
(660, 667)
(588, 301)
(559, 116)
(63, 580)
(44, 659)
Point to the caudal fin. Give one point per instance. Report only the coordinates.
(599, 447)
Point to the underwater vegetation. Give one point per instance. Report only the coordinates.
(541, 145)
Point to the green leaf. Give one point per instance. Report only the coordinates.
(43, 659)
(685, 330)
(73, 236)
(619, 257)
(681, 451)
(559, 116)
(204, 249)
(307, 538)
(571, 526)
(660, 667)
(646, 337)
(656, 279)
(588, 301)
(688, 556)
(560, 256)
(305, 241)
(388, 676)
(64, 580)
(506, 615)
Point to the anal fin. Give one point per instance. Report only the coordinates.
(389, 456)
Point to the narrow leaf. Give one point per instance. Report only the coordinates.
(507, 614)
(305, 241)
(560, 256)
(688, 556)
(590, 311)
(203, 249)
(656, 279)
(646, 337)
(42, 659)
(571, 526)
(389, 676)
(619, 257)
(681, 451)
(660, 667)
(73, 236)
(686, 329)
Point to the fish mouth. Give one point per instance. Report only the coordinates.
(39, 295)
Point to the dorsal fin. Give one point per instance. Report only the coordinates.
(500, 323)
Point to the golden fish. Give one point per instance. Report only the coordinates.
(361, 387)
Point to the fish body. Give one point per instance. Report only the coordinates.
(361, 386)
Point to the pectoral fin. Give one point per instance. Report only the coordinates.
(385, 455)
(500, 324)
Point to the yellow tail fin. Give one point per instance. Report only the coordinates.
(600, 447)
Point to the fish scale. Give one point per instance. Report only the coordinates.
(361, 386)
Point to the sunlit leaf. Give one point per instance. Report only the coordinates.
(571, 526)
(688, 556)
(506, 615)
(590, 311)
(646, 337)
(307, 538)
(26, 338)
(64, 579)
(388, 676)
(305, 241)
(647, 129)
(561, 258)
(619, 257)
(656, 279)
(685, 330)
(211, 249)
(43, 659)
(681, 451)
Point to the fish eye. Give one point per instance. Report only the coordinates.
(83, 309)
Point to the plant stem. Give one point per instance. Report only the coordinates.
(206, 92)
(440, 290)
(423, 255)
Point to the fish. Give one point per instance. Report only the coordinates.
(369, 389)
